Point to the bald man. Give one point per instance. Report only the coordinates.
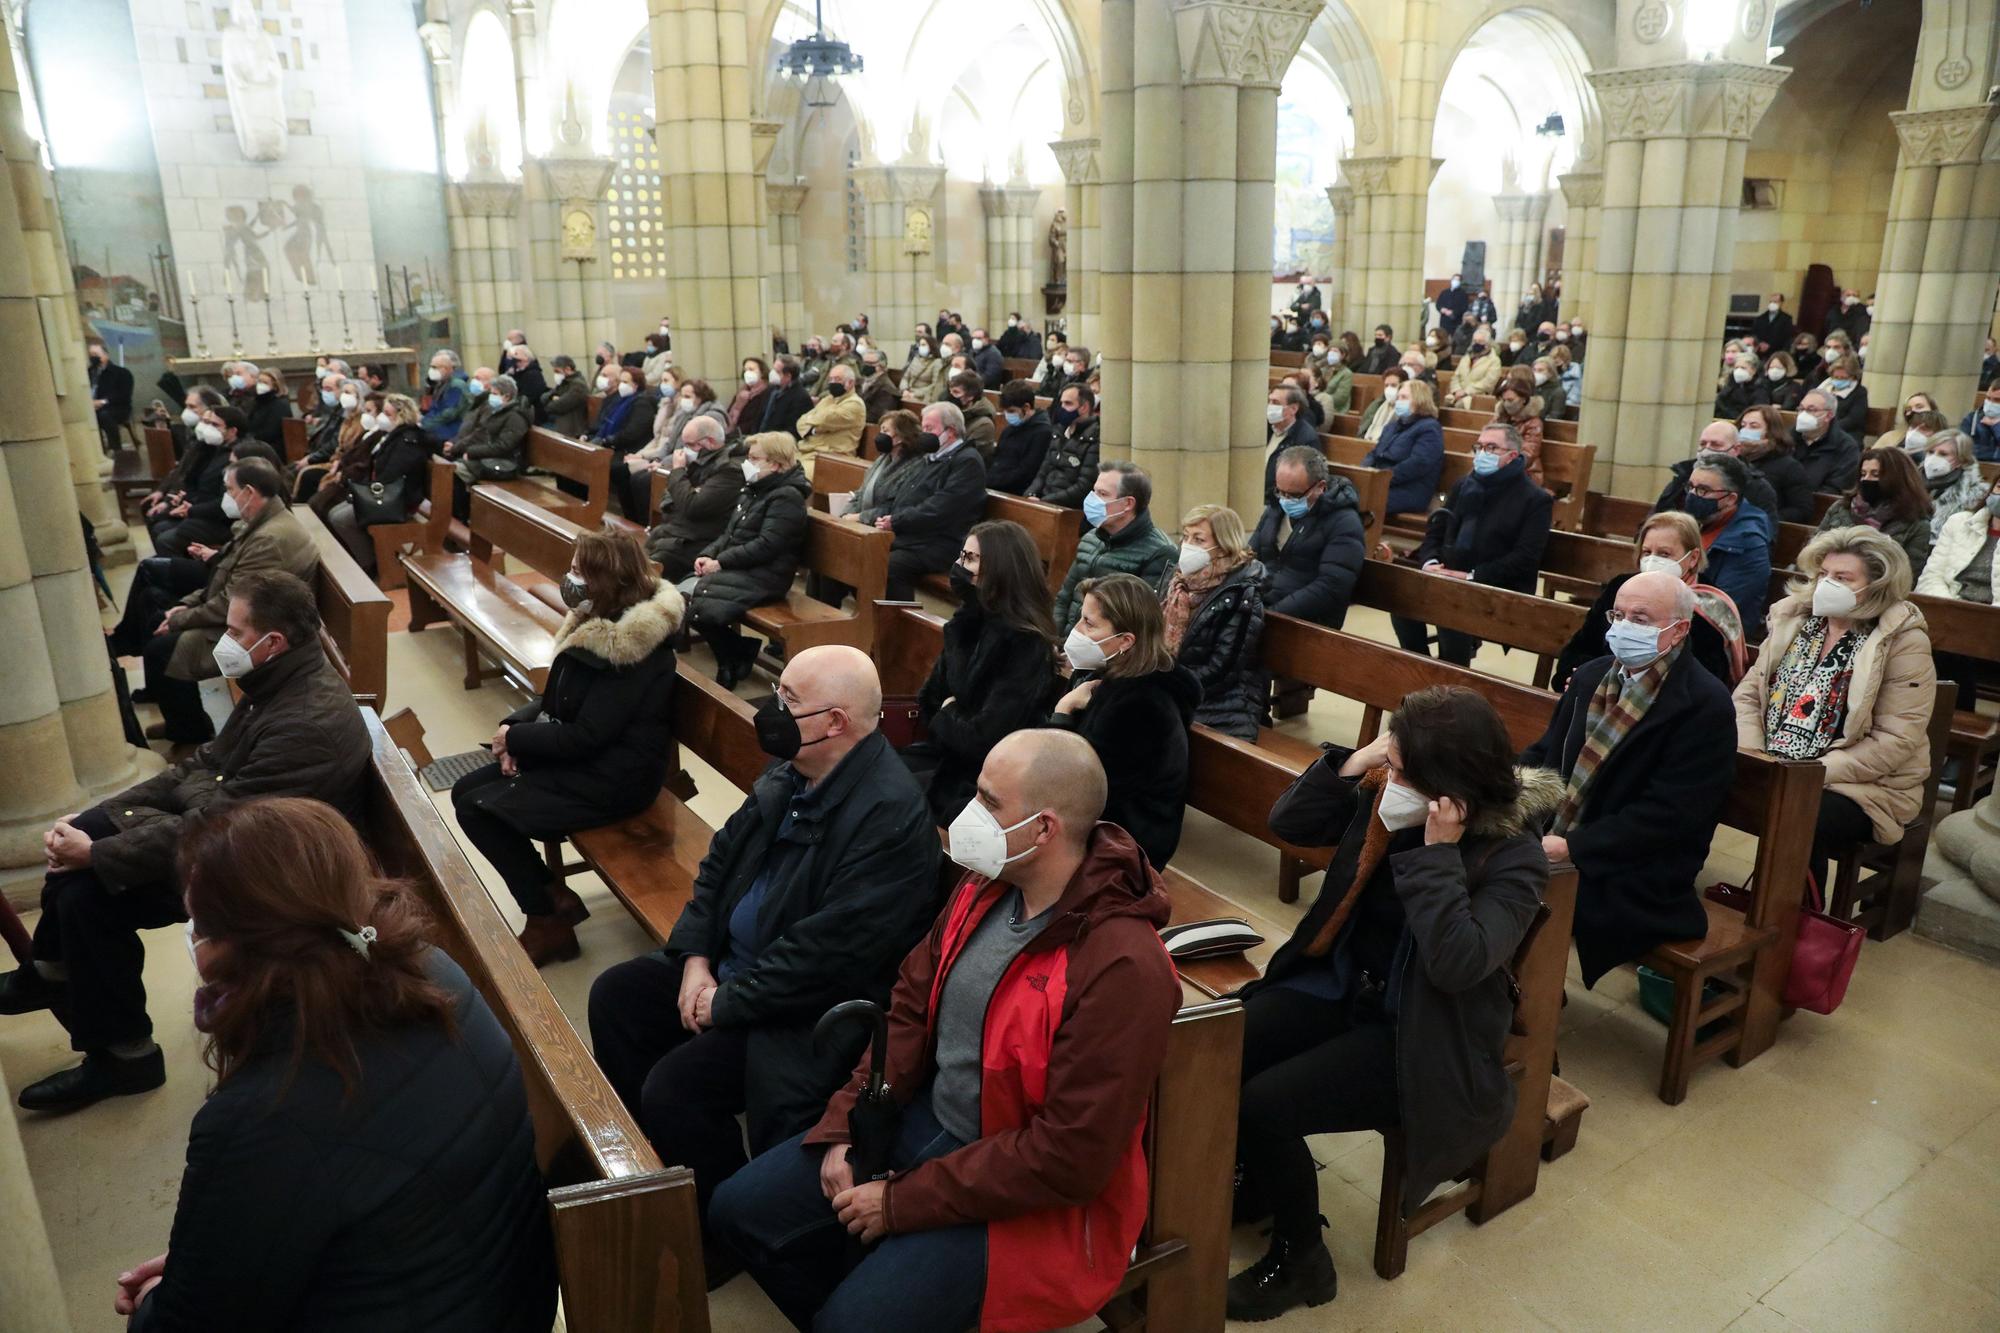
(1643, 742)
(808, 896)
(1025, 1037)
(1718, 437)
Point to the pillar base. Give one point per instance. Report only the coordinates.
(1961, 909)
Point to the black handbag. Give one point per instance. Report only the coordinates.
(375, 503)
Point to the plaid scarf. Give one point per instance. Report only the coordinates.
(1615, 708)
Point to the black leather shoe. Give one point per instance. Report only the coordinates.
(100, 1075)
(1288, 1276)
(25, 990)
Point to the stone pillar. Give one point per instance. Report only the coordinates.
(1082, 167)
(1673, 180)
(1190, 147)
(1940, 258)
(1519, 258)
(1584, 193)
(715, 243)
(61, 742)
(484, 216)
(1010, 253)
(763, 142)
(1961, 906)
(785, 287)
(1340, 302)
(902, 243)
(569, 252)
(1386, 256)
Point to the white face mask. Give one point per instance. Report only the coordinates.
(436, 375)
(978, 344)
(1085, 653)
(1273, 413)
(663, 329)
(230, 508)
(1808, 422)
(370, 422)
(1194, 559)
(349, 401)
(190, 418)
(1775, 374)
(627, 389)
(1541, 377)
(603, 383)
(1661, 564)
(1740, 375)
(751, 377)
(1401, 808)
(1936, 465)
(1833, 600)
(208, 434)
(233, 659)
(263, 388)
(751, 471)
(1772, 307)
(1915, 441)
(977, 842)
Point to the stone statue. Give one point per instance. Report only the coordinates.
(255, 82)
(1059, 249)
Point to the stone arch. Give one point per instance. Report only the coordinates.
(486, 93)
(1555, 42)
(578, 34)
(1337, 37)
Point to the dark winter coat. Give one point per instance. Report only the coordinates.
(1000, 679)
(529, 382)
(700, 499)
(759, 551)
(404, 455)
(783, 411)
(267, 413)
(296, 732)
(1757, 490)
(1139, 727)
(1018, 453)
(1788, 483)
(1139, 548)
(565, 409)
(593, 749)
(1739, 563)
(883, 482)
(1732, 400)
(634, 430)
(1495, 527)
(937, 505)
(1832, 465)
(1069, 467)
(1220, 647)
(1312, 575)
(981, 427)
(858, 894)
(500, 449)
(1467, 907)
(1649, 813)
(323, 441)
(1412, 448)
(411, 1201)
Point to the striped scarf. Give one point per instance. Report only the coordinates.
(1615, 708)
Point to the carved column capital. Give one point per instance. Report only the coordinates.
(1247, 43)
(1368, 175)
(899, 184)
(1078, 159)
(436, 38)
(1583, 189)
(1706, 100)
(1943, 138)
(785, 200)
(575, 178)
(1341, 197)
(1524, 207)
(1010, 201)
(488, 199)
(763, 141)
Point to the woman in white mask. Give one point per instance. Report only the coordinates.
(1214, 613)
(1669, 543)
(1845, 677)
(1133, 703)
(1951, 475)
(1390, 1004)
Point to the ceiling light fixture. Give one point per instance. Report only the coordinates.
(814, 60)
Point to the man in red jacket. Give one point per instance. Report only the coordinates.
(1026, 1033)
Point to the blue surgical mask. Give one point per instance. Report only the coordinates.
(236, 383)
(1633, 645)
(329, 397)
(1750, 435)
(1093, 509)
(1841, 385)
(1402, 408)
(1295, 506)
(1015, 418)
(1485, 464)
(1990, 410)
(495, 401)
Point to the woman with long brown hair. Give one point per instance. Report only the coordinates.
(366, 1160)
(1890, 496)
(592, 749)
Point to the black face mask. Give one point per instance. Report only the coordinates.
(1062, 416)
(962, 586)
(1870, 490)
(1701, 508)
(883, 444)
(837, 389)
(575, 593)
(778, 730)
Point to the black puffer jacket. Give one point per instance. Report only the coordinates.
(593, 749)
(760, 549)
(410, 1202)
(266, 414)
(858, 889)
(1018, 453)
(1139, 727)
(1000, 679)
(699, 501)
(1493, 527)
(404, 455)
(1312, 575)
(1069, 468)
(1220, 647)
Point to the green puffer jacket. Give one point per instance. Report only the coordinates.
(1139, 548)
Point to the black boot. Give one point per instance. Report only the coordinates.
(1290, 1274)
(101, 1075)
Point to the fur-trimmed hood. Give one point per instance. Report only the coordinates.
(1541, 793)
(630, 639)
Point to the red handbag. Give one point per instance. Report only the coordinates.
(1823, 957)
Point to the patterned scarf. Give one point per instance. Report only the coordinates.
(1373, 845)
(1615, 708)
(1186, 593)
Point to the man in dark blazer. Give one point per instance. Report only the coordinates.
(937, 506)
(1772, 329)
(110, 394)
(1637, 819)
(787, 403)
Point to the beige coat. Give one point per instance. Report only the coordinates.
(1474, 377)
(275, 539)
(833, 426)
(1883, 755)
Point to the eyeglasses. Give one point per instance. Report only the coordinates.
(1293, 495)
(1709, 492)
(1496, 449)
(1617, 617)
(968, 558)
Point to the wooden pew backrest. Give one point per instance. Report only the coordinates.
(539, 538)
(353, 613)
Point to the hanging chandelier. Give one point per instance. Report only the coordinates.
(816, 59)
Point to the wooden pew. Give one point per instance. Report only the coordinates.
(353, 614)
(1017, 368)
(426, 529)
(628, 1239)
(496, 616)
(293, 433)
(1579, 565)
(1968, 630)
(135, 475)
(588, 465)
(1458, 418)
(1613, 515)
(1518, 620)
(1053, 528)
(848, 553)
(1565, 469)
(1885, 899)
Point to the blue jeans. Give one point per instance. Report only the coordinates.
(772, 1215)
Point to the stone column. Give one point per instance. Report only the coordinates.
(1940, 258)
(1519, 259)
(1190, 145)
(484, 216)
(569, 252)
(1386, 256)
(61, 742)
(902, 243)
(1961, 906)
(763, 142)
(786, 288)
(1340, 302)
(1673, 180)
(1584, 193)
(715, 243)
(1082, 167)
(1010, 252)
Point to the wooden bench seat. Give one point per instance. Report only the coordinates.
(587, 465)
(353, 616)
(135, 474)
(497, 617)
(1518, 620)
(428, 528)
(848, 553)
(1566, 468)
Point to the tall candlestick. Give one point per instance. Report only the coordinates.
(312, 328)
(235, 333)
(194, 305)
(270, 328)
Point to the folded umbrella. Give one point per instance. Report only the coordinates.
(875, 1120)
